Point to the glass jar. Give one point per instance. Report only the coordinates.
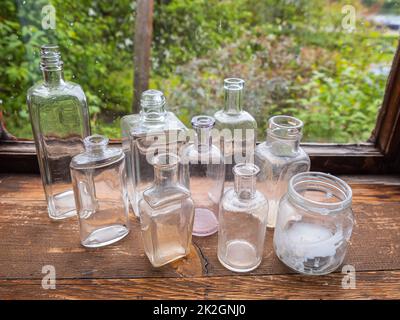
(144, 135)
(237, 128)
(242, 222)
(279, 158)
(99, 182)
(206, 178)
(60, 121)
(166, 213)
(314, 223)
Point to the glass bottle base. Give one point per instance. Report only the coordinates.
(105, 236)
(205, 222)
(238, 254)
(62, 205)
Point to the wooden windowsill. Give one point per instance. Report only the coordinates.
(29, 240)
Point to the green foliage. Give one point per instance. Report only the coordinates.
(294, 55)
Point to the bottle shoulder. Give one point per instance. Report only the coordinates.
(158, 198)
(231, 202)
(65, 89)
(264, 153)
(89, 160)
(242, 119)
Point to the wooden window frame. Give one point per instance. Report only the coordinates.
(380, 155)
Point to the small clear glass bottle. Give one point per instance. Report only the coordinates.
(315, 223)
(166, 213)
(60, 121)
(242, 222)
(279, 158)
(99, 181)
(238, 128)
(144, 135)
(207, 176)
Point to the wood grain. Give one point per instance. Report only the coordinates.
(29, 240)
(368, 285)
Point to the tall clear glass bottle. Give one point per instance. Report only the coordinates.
(238, 128)
(207, 176)
(242, 222)
(60, 121)
(166, 213)
(279, 158)
(99, 182)
(144, 135)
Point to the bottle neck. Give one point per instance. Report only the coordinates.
(165, 176)
(281, 145)
(153, 106)
(202, 139)
(53, 77)
(96, 144)
(245, 180)
(233, 100)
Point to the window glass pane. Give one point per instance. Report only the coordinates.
(325, 62)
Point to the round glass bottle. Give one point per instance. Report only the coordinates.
(314, 224)
(279, 158)
(206, 176)
(166, 213)
(242, 222)
(99, 183)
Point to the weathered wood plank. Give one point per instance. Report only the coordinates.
(369, 285)
(29, 240)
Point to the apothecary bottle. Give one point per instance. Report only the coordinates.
(99, 182)
(144, 135)
(279, 158)
(314, 224)
(166, 213)
(60, 121)
(237, 127)
(206, 178)
(242, 222)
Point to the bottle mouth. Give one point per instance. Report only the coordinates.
(152, 98)
(246, 170)
(233, 84)
(202, 121)
(166, 160)
(320, 192)
(285, 127)
(50, 58)
(95, 142)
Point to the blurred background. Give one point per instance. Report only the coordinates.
(309, 58)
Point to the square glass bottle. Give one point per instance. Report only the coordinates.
(60, 121)
(166, 213)
(144, 135)
(279, 158)
(99, 182)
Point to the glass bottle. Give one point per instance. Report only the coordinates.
(314, 224)
(242, 222)
(144, 135)
(166, 213)
(279, 158)
(238, 128)
(99, 182)
(207, 175)
(60, 121)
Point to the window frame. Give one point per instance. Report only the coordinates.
(379, 155)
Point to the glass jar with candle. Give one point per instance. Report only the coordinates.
(99, 183)
(166, 213)
(237, 128)
(279, 158)
(154, 130)
(206, 179)
(314, 224)
(242, 222)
